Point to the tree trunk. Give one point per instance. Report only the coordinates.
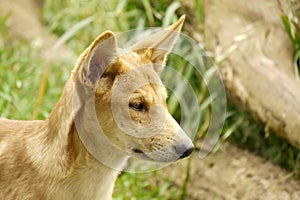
(255, 56)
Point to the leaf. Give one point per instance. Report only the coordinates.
(170, 13)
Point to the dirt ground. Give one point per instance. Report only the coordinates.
(233, 173)
(229, 174)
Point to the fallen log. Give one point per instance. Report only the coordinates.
(256, 62)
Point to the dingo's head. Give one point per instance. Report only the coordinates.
(130, 100)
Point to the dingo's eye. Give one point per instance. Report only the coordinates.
(138, 106)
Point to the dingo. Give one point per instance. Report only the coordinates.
(55, 158)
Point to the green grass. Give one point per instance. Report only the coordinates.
(20, 76)
(145, 186)
(294, 34)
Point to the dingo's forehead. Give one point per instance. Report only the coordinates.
(133, 60)
(150, 94)
(150, 90)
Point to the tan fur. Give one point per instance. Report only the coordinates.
(47, 159)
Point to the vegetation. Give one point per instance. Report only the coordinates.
(79, 22)
(20, 73)
(293, 30)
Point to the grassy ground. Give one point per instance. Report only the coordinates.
(20, 75)
(21, 71)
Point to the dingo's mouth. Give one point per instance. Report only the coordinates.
(137, 151)
(141, 154)
(179, 153)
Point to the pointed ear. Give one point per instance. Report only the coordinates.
(156, 47)
(97, 58)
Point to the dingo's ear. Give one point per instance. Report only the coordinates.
(156, 47)
(97, 58)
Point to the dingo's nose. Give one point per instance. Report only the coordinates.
(184, 150)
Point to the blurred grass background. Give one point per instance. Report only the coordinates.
(21, 69)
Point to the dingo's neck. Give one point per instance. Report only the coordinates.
(65, 155)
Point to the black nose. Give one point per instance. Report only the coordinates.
(184, 150)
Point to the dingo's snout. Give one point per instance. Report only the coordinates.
(184, 150)
(183, 146)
